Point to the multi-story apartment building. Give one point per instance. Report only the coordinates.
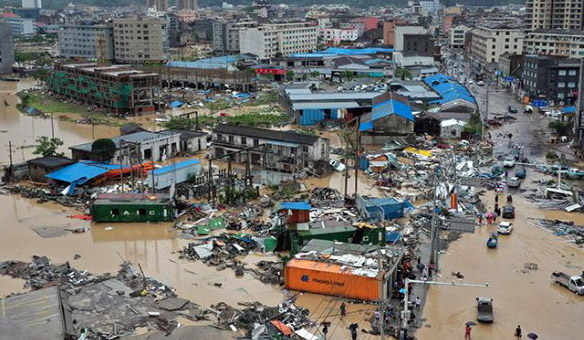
(140, 40)
(334, 36)
(403, 32)
(6, 49)
(285, 151)
(87, 42)
(160, 5)
(456, 36)
(32, 4)
(226, 36)
(551, 77)
(566, 43)
(491, 40)
(268, 40)
(188, 5)
(554, 14)
(20, 26)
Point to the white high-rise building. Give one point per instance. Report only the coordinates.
(32, 4)
(267, 41)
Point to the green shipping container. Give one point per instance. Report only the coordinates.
(132, 209)
(344, 234)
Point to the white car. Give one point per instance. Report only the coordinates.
(509, 162)
(505, 228)
(338, 166)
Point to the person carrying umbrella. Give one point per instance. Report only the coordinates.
(467, 330)
(532, 336)
(518, 332)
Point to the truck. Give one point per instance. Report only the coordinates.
(573, 283)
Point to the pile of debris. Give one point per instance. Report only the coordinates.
(566, 229)
(221, 251)
(41, 273)
(327, 198)
(262, 322)
(46, 195)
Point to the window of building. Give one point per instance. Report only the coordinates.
(231, 139)
(572, 85)
(562, 72)
(561, 85)
(243, 141)
(572, 72)
(256, 142)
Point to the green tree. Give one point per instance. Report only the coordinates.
(559, 128)
(48, 146)
(474, 125)
(403, 73)
(103, 149)
(289, 75)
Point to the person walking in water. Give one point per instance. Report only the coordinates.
(518, 332)
(343, 309)
(467, 332)
(418, 303)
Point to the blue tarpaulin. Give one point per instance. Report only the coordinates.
(293, 206)
(569, 109)
(243, 95)
(80, 173)
(176, 103)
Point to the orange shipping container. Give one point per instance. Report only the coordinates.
(330, 279)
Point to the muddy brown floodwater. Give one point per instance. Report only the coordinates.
(153, 246)
(526, 298)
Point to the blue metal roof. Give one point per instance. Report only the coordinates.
(294, 206)
(344, 51)
(176, 166)
(176, 103)
(448, 88)
(387, 108)
(80, 173)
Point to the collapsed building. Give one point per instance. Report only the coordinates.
(117, 88)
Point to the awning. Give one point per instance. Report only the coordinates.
(293, 206)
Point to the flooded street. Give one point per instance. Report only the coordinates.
(526, 298)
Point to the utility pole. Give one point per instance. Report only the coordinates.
(381, 294)
(346, 158)
(434, 229)
(406, 312)
(357, 149)
(52, 127)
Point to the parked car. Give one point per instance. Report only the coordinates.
(484, 309)
(528, 109)
(337, 165)
(509, 162)
(514, 182)
(573, 283)
(508, 211)
(480, 83)
(505, 228)
(520, 173)
(511, 109)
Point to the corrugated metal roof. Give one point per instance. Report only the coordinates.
(325, 105)
(294, 206)
(449, 89)
(34, 315)
(334, 96)
(138, 137)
